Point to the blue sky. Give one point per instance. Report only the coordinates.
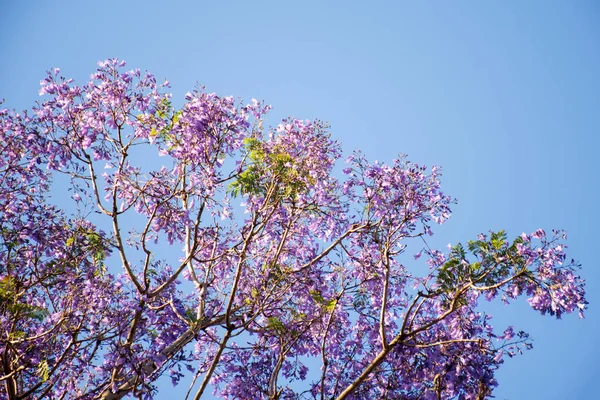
(504, 96)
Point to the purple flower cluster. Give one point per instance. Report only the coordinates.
(200, 241)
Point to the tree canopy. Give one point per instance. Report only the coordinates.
(197, 239)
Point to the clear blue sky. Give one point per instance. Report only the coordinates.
(504, 95)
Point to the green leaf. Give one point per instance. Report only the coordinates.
(329, 305)
(276, 325)
(498, 239)
(16, 335)
(190, 314)
(316, 296)
(7, 288)
(38, 313)
(43, 370)
(458, 251)
(476, 266)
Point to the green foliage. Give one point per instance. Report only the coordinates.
(248, 181)
(498, 239)
(5, 234)
(496, 260)
(455, 269)
(43, 370)
(275, 168)
(275, 271)
(360, 299)
(9, 301)
(16, 335)
(89, 240)
(7, 288)
(167, 114)
(327, 304)
(96, 245)
(276, 325)
(190, 315)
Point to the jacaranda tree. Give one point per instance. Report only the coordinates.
(139, 239)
